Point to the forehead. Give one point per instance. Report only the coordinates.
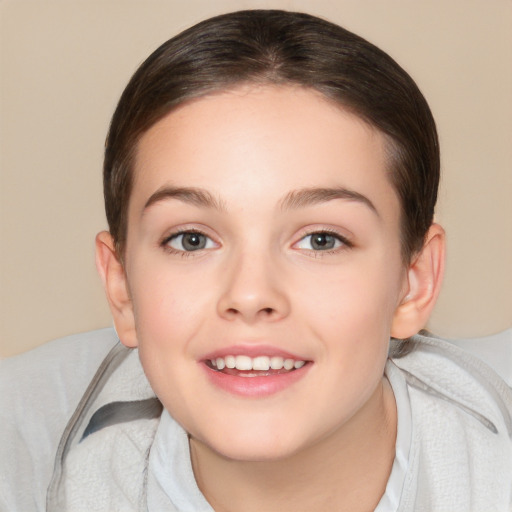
(271, 138)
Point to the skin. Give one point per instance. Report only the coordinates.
(327, 441)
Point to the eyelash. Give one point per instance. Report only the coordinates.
(184, 254)
(345, 242)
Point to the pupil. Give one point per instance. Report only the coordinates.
(322, 241)
(193, 241)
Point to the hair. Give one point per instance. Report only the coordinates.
(281, 48)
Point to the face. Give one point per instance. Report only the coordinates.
(264, 268)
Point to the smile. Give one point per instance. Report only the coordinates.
(253, 366)
(254, 372)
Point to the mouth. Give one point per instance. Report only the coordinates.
(259, 366)
(255, 375)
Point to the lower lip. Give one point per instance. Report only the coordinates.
(255, 387)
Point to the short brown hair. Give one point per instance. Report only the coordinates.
(279, 47)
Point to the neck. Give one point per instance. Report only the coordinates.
(347, 470)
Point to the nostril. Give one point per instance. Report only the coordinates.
(268, 311)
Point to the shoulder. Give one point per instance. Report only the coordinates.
(461, 448)
(53, 374)
(89, 345)
(441, 369)
(39, 391)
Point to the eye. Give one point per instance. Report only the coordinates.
(189, 241)
(321, 241)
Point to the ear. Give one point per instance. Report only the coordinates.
(113, 275)
(423, 284)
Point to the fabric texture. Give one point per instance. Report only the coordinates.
(39, 391)
(80, 420)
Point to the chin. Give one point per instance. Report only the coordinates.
(257, 448)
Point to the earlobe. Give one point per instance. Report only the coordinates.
(113, 276)
(424, 278)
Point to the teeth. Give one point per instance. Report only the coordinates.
(288, 364)
(276, 363)
(261, 363)
(230, 361)
(243, 363)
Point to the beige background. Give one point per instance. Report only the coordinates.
(63, 65)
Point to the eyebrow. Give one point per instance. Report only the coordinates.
(293, 200)
(192, 195)
(310, 196)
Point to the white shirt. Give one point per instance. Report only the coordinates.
(453, 447)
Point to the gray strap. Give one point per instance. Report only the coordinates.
(113, 359)
(485, 375)
(420, 385)
(121, 412)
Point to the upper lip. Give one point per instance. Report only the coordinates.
(253, 351)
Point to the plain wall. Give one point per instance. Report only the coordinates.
(63, 65)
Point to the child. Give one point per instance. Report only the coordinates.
(270, 182)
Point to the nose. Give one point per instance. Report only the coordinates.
(253, 291)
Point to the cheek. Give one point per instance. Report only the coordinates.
(360, 294)
(169, 313)
(169, 306)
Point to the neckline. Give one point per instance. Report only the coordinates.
(391, 498)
